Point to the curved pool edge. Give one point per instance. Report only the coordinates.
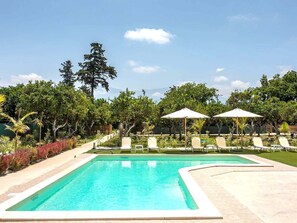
(206, 210)
(199, 196)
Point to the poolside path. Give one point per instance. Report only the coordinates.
(23, 179)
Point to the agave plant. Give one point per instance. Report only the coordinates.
(18, 126)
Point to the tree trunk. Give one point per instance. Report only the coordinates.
(131, 127)
(39, 135)
(91, 126)
(56, 128)
(74, 131)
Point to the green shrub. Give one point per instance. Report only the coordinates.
(28, 141)
(284, 128)
(5, 144)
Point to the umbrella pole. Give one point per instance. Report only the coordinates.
(185, 132)
(237, 126)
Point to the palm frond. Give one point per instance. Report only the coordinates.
(27, 115)
(11, 119)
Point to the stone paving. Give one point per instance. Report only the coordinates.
(241, 194)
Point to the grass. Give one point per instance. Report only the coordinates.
(289, 158)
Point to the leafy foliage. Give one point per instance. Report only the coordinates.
(284, 128)
(94, 70)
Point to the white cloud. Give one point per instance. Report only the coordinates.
(142, 69)
(146, 69)
(240, 85)
(158, 36)
(226, 88)
(101, 91)
(132, 63)
(25, 78)
(220, 69)
(181, 83)
(157, 94)
(284, 69)
(220, 79)
(242, 18)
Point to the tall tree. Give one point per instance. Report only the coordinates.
(67, 73)
(94, 70)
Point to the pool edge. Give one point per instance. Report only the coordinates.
(206, 210)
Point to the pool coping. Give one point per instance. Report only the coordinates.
(206, 208)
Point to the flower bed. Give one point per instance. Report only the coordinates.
(22, 158)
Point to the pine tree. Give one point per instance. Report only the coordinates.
(94, 70)
(67, 73)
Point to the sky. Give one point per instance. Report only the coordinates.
(153, 44)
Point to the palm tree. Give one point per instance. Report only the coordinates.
(18, 125)
(198, 125)
(39, 123)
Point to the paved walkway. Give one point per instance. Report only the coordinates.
(245, 194)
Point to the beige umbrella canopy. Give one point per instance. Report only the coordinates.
(237, 113)
(185, 114)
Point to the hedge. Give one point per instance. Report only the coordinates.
(22, 158)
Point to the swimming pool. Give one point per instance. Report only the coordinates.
(123, 183)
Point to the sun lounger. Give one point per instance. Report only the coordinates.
(221, 144)
(258, 144)
(126, 144)
(196, 144)
(152, 144)
(283, 141)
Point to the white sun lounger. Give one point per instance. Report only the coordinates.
(196, 144)
(258, 144)
(152, 144)
(126, 144)
(221, 144)
(283, 141)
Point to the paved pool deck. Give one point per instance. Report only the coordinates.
(241, 194)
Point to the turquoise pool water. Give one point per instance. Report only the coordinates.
(123, 183)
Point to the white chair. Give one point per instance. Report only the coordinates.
(126, 144)
(196, 144)
(258, 144)
(283, 141)
(221, 144)
(152, 144)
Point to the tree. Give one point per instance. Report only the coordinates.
(67, 73)
(59, 104)
(18, 126)
(12, 97)
(191, 95)
(131, 111)
(94, 70)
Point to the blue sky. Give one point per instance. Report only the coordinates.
(152, 44)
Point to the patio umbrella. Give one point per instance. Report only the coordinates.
(237, 113)
(185, 114)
